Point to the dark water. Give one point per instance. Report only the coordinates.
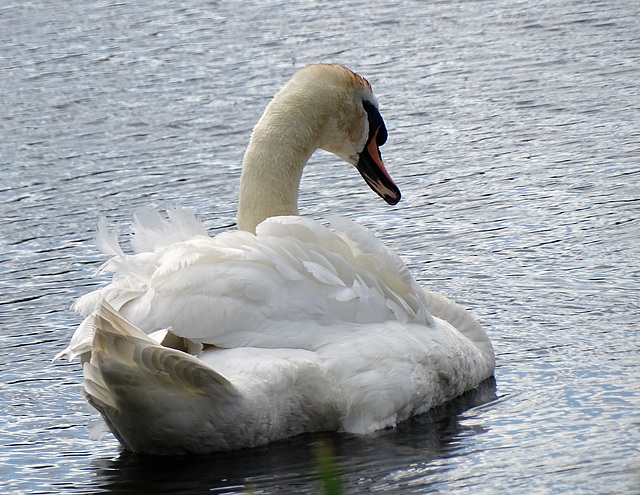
(514, 131)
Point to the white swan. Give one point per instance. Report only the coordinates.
(202, 344)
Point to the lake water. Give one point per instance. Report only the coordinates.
(514, 135)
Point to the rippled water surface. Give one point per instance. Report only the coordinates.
(514, 131)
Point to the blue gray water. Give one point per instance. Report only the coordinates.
(514, 131)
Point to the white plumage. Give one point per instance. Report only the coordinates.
(201, 344)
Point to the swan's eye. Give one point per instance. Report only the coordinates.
(375, 123)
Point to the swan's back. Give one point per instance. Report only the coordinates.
(281, 287)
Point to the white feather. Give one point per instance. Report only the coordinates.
(254, 337)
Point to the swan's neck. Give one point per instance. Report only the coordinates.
(281, 144)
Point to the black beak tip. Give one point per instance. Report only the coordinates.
(393, 199)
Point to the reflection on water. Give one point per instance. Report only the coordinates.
(395, 459)
(513, 135)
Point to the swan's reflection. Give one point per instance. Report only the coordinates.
(290, 466)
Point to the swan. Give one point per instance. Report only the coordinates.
(284, 326)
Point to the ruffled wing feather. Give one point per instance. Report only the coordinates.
(291, 279)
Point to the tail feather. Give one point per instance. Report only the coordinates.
(118, 344)
(143, 389)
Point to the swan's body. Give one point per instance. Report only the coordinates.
(202, 344)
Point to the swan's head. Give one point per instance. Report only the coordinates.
(322, 106)
(353, 129)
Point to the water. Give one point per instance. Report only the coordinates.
(514, 137)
